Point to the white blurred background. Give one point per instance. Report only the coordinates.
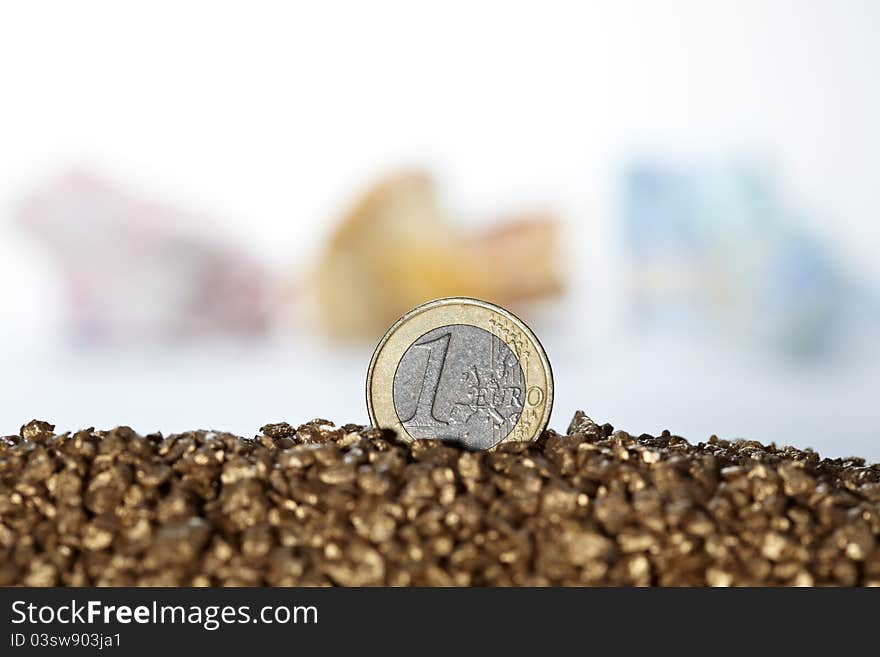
(273, 118)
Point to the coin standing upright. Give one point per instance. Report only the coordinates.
(464, 371)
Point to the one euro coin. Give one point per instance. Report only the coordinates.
(464, 371)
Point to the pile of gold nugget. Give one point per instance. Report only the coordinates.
(319, 505)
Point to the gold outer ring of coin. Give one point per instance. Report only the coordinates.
(505, 325)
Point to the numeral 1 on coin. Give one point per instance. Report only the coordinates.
(423, 416)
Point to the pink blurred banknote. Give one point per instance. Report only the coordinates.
(136, 269)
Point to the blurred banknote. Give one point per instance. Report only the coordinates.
(134, 268)
(398, 247)
(717, 247)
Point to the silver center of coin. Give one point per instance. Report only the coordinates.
(461, 384)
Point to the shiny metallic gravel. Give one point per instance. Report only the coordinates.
(320, 505)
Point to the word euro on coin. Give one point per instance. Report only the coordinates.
(461, 370)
